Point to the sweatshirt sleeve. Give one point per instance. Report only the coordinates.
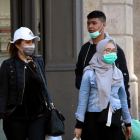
(79, 71)
(122, 65)
(79, 124)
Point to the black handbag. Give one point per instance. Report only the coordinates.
(116, 116)
(54, 124)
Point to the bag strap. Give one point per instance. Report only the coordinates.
(48, 98)
(109, 117)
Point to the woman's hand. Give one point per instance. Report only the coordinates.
(128, 132)
(78, 132)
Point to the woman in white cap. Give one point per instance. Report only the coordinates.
(102, 98)
(23, 90)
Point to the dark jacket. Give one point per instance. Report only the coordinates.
(82, 63)
(12, 82)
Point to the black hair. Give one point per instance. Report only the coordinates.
(97, 14)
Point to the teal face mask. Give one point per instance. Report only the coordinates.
(95, 34)
(110, 58)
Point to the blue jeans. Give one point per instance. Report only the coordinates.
(19, 129)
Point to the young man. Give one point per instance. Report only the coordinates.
(96, 22)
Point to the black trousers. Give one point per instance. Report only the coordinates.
(21, 129)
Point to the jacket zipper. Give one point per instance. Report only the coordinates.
(24, 83)
(24, 90)
(26, 109)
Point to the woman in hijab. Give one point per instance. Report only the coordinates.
(102, 88)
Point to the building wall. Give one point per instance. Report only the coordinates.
(136, 38)
(66, 30)
(4, 36)
(88, 6)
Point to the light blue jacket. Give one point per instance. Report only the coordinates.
(89, 98)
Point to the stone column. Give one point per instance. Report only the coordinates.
(136, 34)
(119, 15)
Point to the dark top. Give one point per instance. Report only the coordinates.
(12, 83)
(33, 99)
(120, 63)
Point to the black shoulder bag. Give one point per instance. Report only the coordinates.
(54, 124)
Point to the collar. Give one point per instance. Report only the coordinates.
(18, 59)
(23, 61)
(90, 41)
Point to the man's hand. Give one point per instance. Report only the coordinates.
(130, 113)
(78, 132)
(128, 132)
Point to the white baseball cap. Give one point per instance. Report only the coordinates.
(25, 34)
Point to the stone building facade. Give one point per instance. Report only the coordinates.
(136, 42)
(62, 26)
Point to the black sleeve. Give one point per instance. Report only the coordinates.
(79, 124)
(3, 89)
(79, 71)
(121, 64)
(127, 125)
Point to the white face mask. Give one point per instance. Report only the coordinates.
(28, 50)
